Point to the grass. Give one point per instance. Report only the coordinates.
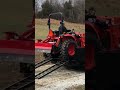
(41, 28)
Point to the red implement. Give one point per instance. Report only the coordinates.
(43, 47)
(17, 47)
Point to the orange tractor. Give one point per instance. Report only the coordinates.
(102, 36)
(67, 45)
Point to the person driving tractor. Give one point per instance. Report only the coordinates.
(62, 28)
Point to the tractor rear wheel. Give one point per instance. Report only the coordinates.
(68, 51)
(92, 46)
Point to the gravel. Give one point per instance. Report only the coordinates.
(61, 79)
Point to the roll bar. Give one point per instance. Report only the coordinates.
(58, 13)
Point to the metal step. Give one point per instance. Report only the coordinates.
(42, 62)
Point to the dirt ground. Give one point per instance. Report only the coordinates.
(61, 79)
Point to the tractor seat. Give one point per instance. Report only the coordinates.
(56, 32)
(68, 30)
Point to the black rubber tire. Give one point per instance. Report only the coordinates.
(92, 39)
(64, 50)
(76, 61)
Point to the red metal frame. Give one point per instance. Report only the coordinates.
(113, 35)
(55, 41)
(17, 47)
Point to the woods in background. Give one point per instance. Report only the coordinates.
(73, 12)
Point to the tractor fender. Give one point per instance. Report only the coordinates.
(63, 38)
(92, 28)
(67, 36)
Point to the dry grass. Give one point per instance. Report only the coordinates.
(41, 28)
